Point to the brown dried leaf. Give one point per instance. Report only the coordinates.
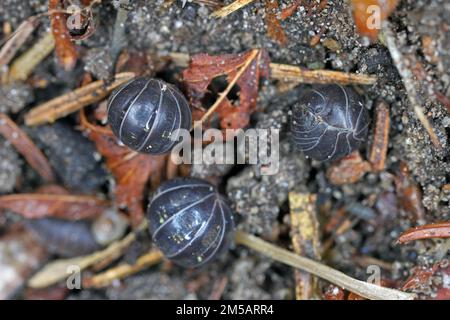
(244, 69)
(348, 170)
(23, 144)
(131, 170)
(73, 207)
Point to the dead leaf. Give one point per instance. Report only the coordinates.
(348, 170)
(131, 170)
(73, 207)
(244, 69)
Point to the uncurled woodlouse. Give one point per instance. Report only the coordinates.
(329, 122)
(63, 237)
(190, 221)
(76, 238)
(145, 112)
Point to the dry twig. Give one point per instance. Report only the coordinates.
(22, 33)
(24, 65)
(25, 146)
(232, 7)
(68, 103)
(364, 289)
(124, 270)
(379, 147)
(428, 231)
(58, 270)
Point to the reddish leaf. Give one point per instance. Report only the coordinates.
(23, 144)
(244, 69)
(131, 170)
(73, 207)
(348, 170)
(428, 231)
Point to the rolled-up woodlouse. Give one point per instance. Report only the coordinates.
(145, 112)
(190, 221)
(329, 122)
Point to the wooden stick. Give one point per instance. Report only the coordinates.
(24, 65)
(293, 73)
(26, 147)
(104, 279)
(232, 7)
(61, 106)
(364, 289)
(22, 33)
(57, 270)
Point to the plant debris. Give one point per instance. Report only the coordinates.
(373, 225)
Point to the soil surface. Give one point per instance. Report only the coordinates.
(374, 208)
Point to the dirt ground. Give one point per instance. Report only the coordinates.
(359, 223)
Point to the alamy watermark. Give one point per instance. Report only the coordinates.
(250, 146)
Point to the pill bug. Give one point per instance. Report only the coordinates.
(63, 237)
(145, 112)
(329, 122)
(190, 221)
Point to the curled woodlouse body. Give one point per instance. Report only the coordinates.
(145, 112)
(329, 122)
(190, 221)
(63, 237)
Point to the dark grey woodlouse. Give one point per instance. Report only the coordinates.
(190, 221)
(145, 112)
(63, 237)
(329, 122)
